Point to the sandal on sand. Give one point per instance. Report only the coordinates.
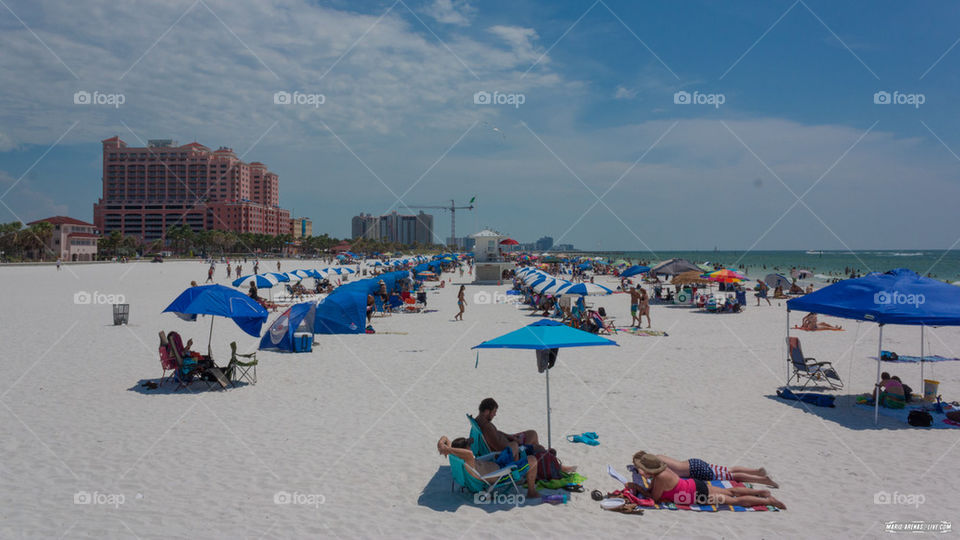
(573, 488)
(582, 439)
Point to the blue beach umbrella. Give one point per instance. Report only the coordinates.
(634, 270)
(263, 281)
(587, 289)
(282, 277)
(546, 337)
(217, 300)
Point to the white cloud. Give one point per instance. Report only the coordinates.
(624, 93)
(456, 12)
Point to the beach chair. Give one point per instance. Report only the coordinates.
(238, 370)
(485, 483)
(167, 361)
(479, 446)
(395, 303)
(809, 368)
(378, 306)
(184, 375)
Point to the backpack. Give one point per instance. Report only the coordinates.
(919, 418)
(548, 466)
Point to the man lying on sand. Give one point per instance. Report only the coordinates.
(699, 469)
(666, 486)
(460, 447)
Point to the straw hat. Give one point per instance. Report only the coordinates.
(648, 463)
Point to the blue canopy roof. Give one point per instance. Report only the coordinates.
(896, 297)
(223, 301)
(545, 334)
(634, 270)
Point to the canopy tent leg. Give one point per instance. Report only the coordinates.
(549, 440)
(786, 344)
(876, 396)
(921, 359)
(210, 339)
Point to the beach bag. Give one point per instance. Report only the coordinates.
(920, 418)
(548, 466)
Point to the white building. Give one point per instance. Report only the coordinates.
(490, 263)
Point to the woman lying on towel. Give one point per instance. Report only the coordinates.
(666, 486)
(460, 447)
(810, 323)
(699, 469)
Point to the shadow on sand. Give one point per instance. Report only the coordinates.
(170, 387)
(437, 496)
(846, 413)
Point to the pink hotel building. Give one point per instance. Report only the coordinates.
(147, 190)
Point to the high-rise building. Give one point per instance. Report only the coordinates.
(463, 243)
(544, 243)
(147, 190)
(394, 227)
(301, 227)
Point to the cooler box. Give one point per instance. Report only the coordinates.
(302, 342)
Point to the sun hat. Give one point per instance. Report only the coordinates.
(648, 463)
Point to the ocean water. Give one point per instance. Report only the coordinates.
(938, 263)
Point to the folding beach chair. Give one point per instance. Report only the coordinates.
(809, 368)
(238, 370)
(479, 446)
(485, 483)
(378, 306)
(167, 360)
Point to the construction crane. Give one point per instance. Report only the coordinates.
(453, 213)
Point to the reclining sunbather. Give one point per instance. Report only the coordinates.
(460, 447)
(667, 486)
(809, 322)
(701, 470)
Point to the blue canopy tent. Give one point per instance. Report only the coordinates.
(634, 270)
(546, 337)
(279, 336)
(899, 296)
(343, 312)
(223, 301)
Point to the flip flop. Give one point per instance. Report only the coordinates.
(591, 435)
(582, 439)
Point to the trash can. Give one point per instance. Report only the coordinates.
(121, 314)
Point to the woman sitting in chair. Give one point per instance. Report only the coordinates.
(460, 448)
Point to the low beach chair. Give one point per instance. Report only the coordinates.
(809, 368)
(238, 370)
(479, 446)
(184, 375)
(167, 361)
(485, 483)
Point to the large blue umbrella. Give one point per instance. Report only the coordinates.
(223, 301)
(281, 276)
(634, 270)
(547, 336)
(587, 288)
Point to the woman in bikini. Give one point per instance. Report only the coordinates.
(809, 322)
(460, 447)
(667, 486)
(461, 303)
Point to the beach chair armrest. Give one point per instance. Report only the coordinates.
(499, 473)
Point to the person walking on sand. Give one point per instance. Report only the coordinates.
(58, 264)
(229, 269)
(239, 270)
(461, 303)
(634, 306)
(278, 266)
(256, 267)
(762, 292)
(209, 274)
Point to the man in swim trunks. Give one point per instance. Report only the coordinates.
(699, 469)
(498, 440)
(635, 297)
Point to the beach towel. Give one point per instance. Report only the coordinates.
(940, 421)
(649, 503)
(642, 332)
(820, 400)
(795, 327)
(906, 359)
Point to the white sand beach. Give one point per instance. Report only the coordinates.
(350, 430)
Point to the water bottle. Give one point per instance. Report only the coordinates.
(556, 498)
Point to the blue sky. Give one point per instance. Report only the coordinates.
(797, 155)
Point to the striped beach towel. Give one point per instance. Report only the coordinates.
(650, 503)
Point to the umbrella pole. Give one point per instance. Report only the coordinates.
(210, 339)
(876, 392)
(549, 434)
(787, 346)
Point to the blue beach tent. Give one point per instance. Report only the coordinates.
(280, 335)
(343, 312)
(899, 296)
